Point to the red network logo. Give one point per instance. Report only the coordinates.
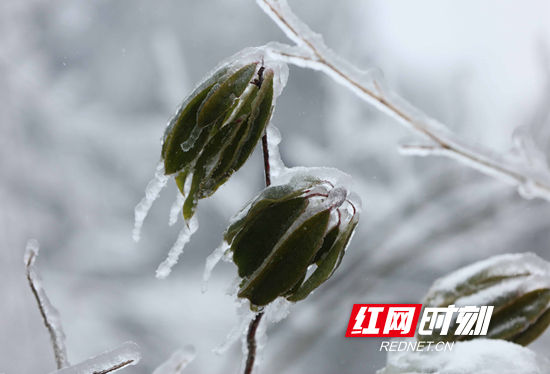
(383, 320)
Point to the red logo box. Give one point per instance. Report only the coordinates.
(383, 320)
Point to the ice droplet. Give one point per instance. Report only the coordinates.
(184, 236)
(152, 192)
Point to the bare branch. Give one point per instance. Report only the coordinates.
(49, 314)
(311, 52)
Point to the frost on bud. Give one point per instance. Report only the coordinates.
(286, 231)
(216, 128)
(517, 285)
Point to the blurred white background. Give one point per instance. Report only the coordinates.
(86, 89)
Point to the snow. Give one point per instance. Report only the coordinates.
(480, 356)
(178, 361)
(152, 192)
(49, 313)
(184, 236)
(125, 355)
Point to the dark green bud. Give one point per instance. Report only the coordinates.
(216, 129)
(290, 239)
(517, 285)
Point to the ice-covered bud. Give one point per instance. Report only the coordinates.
(216, 128)
(290, 239)
(517, 285)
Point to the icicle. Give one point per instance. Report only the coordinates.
(211, 262)
(178, 361)
(152, 192)
(184, 236)
(47, 310)
(109, 362)
(176, 208)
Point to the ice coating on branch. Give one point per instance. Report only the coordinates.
(152, 192)
(175, 209)
(109, 362)
(278, 310)
(178, 361)
(245, 316)
(49, 313)
(184, 236)
(529, 173)
(211, 262)
(526, 271)
(276, 165)
(481, 356)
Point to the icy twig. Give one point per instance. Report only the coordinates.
(48, 312)
(311, 52)
(109, 362)
(165, 268)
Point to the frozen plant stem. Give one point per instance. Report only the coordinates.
(251, 342)
(267, 167)
(253, 327)
(311, 52)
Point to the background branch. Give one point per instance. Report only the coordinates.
(311, 52)
(49, 314)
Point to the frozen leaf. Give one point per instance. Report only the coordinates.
(475, 356)
(517, 285)
(285, 230)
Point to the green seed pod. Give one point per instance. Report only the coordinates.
(290, 239)
(216, 129)
(517, 285)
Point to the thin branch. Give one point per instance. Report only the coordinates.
(311, 52)
(48, 312)
(115, 367)
(251, 342)
(267, 167)
(253, 327)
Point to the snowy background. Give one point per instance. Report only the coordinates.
(86, 89)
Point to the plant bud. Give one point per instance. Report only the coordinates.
(216, 128)
(517, 285)
(286, 231)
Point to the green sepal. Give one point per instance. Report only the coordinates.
(221, 98)
(268, 197)
(524, 313)
(287, 262)
(209, 153)
(220, 173)
(259, 118)
(328, 262)
(181, 178)
(262, 231)
(183, 125)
